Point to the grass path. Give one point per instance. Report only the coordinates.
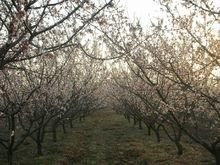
(106, 138)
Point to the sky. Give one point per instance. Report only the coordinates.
(142, 9)
(146, 9)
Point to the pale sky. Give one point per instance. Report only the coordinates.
(146, 9)
(142, 9)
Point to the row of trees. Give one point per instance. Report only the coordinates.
(47, 79)
(169, 78)
(40, 97)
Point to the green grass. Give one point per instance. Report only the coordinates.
(106, 138)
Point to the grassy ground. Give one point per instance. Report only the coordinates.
(106, 138)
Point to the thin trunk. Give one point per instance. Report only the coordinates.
(38, 142)
(129, 119)
(158, 136)
(54, 130)
(10, 157)
(157, 133)
(39, 149)
(149, 130)
(135, 120)
(217, 156)
(71, 124)
(11, 142)
(176, 139)
(64, 128)
(179, 148)
(140, 124)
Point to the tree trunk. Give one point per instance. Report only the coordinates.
(38, 142)
(179, 148)
(140, 124)
(10, 157)
(54, 130)
(217, 156)
(135, 120)
(148, 130)
(71, 124)
(39, 149)
(64, 128)
(12, 140)
(129, 119)
(157, 133)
